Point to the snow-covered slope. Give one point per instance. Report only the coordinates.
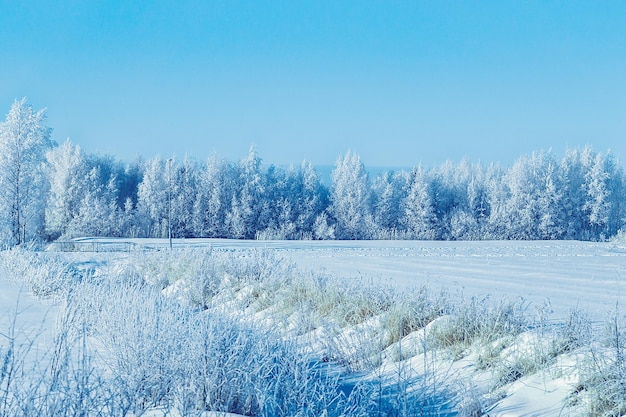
(550, 275)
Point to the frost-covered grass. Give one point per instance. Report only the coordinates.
(192, 331)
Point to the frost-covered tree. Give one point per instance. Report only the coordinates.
(98, 212)
(67, 173)
(248, 205)
(293, 199)
(278, 211)
(449, 196)
(572, 178)
(216, 182)
(533, 203)
(24, 141)
(551, 222)
(477, 195)
(497, 197)
(129, 177)
(153, 196)
(389, 191)
(311, 198)
(350, 197)
(468, 214)
(602, 186)
(183, 185)
(420, 217)
(324, 227)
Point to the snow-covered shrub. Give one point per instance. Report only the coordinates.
(489, 354)
(44, 274)
(411, 312)
(195, 276)
(620, 237)
(536, 349)
(48, 376)
(479, 320)
(575, 332)
(162, 268)
(602, 384)
(469, 402)
(530, 353)
(158, 353)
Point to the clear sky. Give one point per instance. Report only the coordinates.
(399, 82)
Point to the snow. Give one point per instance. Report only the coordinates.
(564, 274)
(568, 274)
(29, 317)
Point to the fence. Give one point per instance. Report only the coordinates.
(121, 246)
(91, 246)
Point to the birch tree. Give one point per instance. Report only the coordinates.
(24, 141)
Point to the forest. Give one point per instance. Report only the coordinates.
(52, 191)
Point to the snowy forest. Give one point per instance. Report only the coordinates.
(51, 191)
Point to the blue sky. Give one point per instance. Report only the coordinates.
(399, 82)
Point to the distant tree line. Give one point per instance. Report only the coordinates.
(49, 192)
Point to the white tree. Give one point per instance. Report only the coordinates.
(153, 196)
(532, 208)
(420, 217)
(98, 212)
(213, 198)
(248, 203)
(278, 210)
(388, 190)
(551, 222)
(24, 141)
(572, 179)
(603, 181)
(182, 184)
(350, 197)
(311, 198)
(67, 171)
(497, 195)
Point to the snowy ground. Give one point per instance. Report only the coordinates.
(568, 274)
(26, 315)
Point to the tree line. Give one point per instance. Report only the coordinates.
(50, 191)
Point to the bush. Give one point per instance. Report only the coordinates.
(479, 320)
(44, 274)
(603, 375)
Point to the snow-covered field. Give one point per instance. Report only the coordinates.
(588, 275)
(591, 276)
(556, 276)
